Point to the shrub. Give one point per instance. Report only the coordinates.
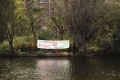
(4, 49)
(24, 43)
(44, 35)
(22, 54)
(30, 45)
(40, 53)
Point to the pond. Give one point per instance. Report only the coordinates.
(60, 68)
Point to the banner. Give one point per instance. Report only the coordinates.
(53, 44)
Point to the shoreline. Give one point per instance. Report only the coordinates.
(64, 54)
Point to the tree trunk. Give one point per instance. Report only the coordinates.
(35, 41)
(61, 36)
(12, 48)
(74, 48)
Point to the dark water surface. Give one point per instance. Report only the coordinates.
(97, 68)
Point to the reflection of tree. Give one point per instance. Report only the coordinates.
(16, 68)
(106, 64)
(105, 67)
(54, 69)
(4, 68)
(60, 69)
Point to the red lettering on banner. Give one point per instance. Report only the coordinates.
(44, 46)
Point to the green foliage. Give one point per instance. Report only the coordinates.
(23, 54)
(40, 54)
(44, 35)
(4, 49)
(90, 23)
(10, 18)
(116, 38)
(24, 43)
(93, 49)
(107, 40)
(47, 35)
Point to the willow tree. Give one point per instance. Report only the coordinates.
(10, 18)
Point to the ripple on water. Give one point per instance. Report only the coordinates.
(53, 69)
(59, 69)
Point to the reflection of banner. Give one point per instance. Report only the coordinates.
(53, 44)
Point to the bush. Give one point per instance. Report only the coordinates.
(22, 54)
(93, 49)
(40, 54)
(44, 35)
(4, 49)
(24, 43)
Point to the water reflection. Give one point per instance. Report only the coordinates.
(16, 69)
(60, 69)
(54, 69)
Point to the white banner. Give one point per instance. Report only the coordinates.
(53, 44)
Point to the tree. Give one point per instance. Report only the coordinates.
(57, 18)
(107, 38)
(33, 13)
(2, 36)
(10, 18)
(84, 19)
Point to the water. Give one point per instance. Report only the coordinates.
(97, 68)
